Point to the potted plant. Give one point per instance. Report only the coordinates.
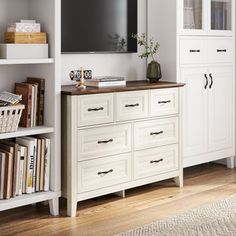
(151, 48)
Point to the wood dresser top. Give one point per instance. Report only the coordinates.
(130, 86)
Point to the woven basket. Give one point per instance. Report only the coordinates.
(10, 118)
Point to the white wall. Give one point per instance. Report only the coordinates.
(128, 65)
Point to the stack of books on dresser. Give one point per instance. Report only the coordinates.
(24, 166)
(32, 92)
(106, 81)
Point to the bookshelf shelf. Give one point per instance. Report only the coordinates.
(26, 61)
(27, 199)
(28, 131)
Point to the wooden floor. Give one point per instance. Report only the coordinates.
(110, 214)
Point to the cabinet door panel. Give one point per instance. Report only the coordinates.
(194, 111)
(221, 108)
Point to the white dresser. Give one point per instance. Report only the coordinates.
(114, 139)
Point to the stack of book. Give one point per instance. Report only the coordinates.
(32, 93)
(24, 166)
(106, 81)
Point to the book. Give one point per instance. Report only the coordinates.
(38, 165)
(2, 173)
(32, 107)
(93, 83)
(41, 92)
(42, 170)
(23, 153)
(25, 90)
(30, 144)
(107, 78)
(47, 162)
(24, 150)
(17, 173)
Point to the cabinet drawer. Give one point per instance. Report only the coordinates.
(155, 161)
(155, 133)
(193, 51)
(131, 105)
(164, 102)
(104, 172)
(220, 50)
(95, 109)
(103, 141)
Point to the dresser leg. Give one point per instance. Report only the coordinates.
(230, 162)
(179, 181)
(54, 206)
(120, 194)
(71, 208)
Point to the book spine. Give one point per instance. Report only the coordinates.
(30, 173)
(34, 167)
(2, 172)
(41, 105)
(8, 177)
(17, 173)
(47, 164)
(25, 150)
(21, 171)
(15, 169)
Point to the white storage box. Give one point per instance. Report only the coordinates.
(23, 51)
(23, 27)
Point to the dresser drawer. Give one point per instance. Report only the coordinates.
(131, 105)
(103, 172)
(155, 161)
(95, 109)
(164, 102)
(193, 51)
(103, 141)
(220, 50)
(155, 133)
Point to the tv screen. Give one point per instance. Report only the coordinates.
(103, 26)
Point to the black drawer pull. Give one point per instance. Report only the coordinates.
(132, 105)
(211, 81)
(157, 161)
(96, 109)
(191, 50)
(206, 81)
(221, 50)
(105, 172)
(106, 141)
(156, 133)
(164, 102)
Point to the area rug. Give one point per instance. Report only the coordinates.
(212, 220)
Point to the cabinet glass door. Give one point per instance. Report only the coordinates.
(193, 15)
(221, 15)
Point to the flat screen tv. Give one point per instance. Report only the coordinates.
(99, 26)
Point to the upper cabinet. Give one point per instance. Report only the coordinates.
(206, 17)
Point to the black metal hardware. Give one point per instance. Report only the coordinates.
(211, 80)
(157, 161)
(164, 102)
(221, 50)
(106, 141)
(156, 133)
(206, 81)
(132, 105)
(105, 172)
(96, 109)
(198, 50)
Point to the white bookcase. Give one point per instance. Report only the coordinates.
(46, 12)
(197, 39)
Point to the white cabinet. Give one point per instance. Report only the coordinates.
(140, 146)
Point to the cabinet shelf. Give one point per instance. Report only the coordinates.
(26, 61)
(27, 131)
(27, 199)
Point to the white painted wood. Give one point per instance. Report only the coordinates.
(120, 194)
(194, 111)
(148, 134)
(95, 109)
(193, 50)
(230, 162)
(54, 206)
(26, 61)
(220, 108)
(103, 172)
(156, 160)
(103, 141)
(131, 105)
(164, 102)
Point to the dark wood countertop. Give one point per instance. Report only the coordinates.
(130, 86)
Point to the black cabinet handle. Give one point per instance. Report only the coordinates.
(105, 172)
(132, 105)
(191, 50)
(96, 109)
(156, 161)
(221, 50)
(164, 102)
(211, 81)
(106, 141)
(156, 133)
(206, 81)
